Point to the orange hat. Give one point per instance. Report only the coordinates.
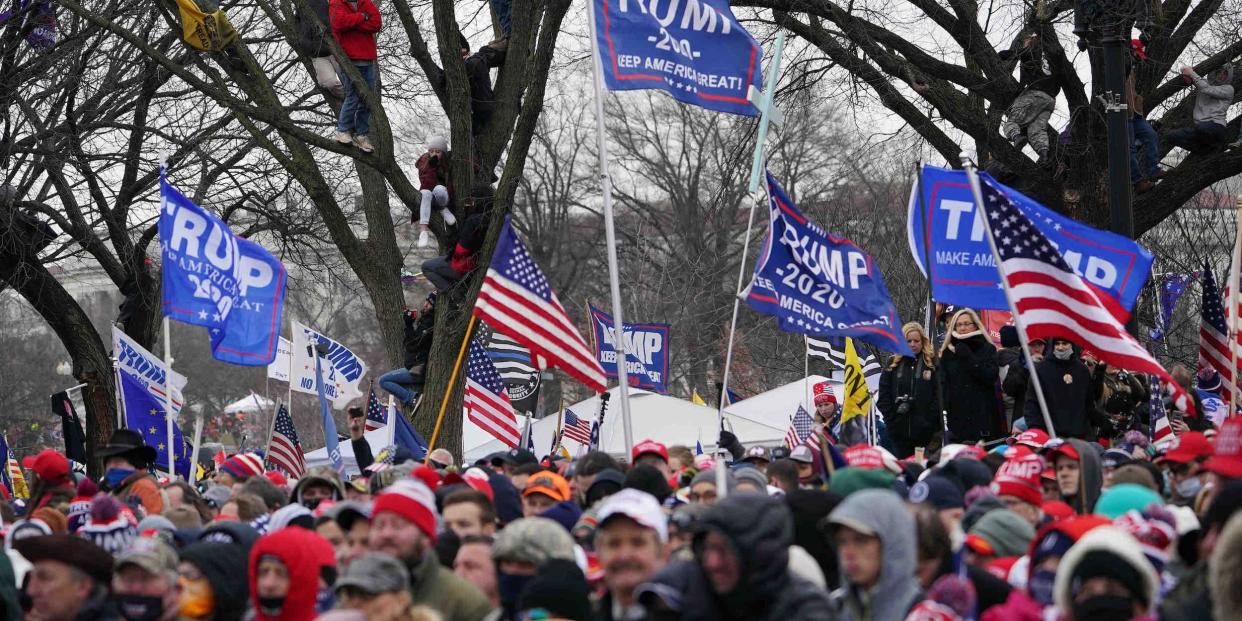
(549, 484)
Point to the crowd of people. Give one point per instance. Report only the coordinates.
(1111, 527)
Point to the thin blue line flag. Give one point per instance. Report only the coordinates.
(212, 278)
(145, 415)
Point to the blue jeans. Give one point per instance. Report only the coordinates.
(355, 113)
(397, 383)
(1142, 132)
(504, 13)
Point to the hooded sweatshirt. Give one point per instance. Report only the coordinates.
(760, 529)
(304, 553)
(220, 564)
(897, 590)
(1116, 542)
(1212, 97)
(1090, 478)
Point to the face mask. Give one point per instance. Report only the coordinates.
(140, 607)
(510, 586)
(1040, 586)
(1105, 608)
(1188, 489)
(312, 504)
(114, 476)
(325, 600)
(1062, 354)
(197, 599)
(271, 606)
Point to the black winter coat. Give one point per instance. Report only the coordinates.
(968, 373)
(910, 378)
(1070, 394)
(417, 341)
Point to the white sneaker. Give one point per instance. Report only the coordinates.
(448, 217)
(343, 137)
(423, 239)
(363, 144)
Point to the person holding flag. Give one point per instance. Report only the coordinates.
(856, 427)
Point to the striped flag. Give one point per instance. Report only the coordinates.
(284, 452)
(824, 349)
(800, 427)
(512, 360)
(577, 428)
(377, 414)
(485, 401)
(1054, 302)
(1214, 335)
(1159, 424)
(517, 300)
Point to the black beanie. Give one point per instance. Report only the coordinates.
(1106, 564)
(561, 589)
(646, 478)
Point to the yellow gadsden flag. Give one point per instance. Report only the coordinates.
(209, 31)
(695, 398)
(857, 407)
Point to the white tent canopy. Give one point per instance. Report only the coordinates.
(653, 416)
(775, 407)
(251, 404)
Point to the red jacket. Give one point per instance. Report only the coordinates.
(462, 260)
(303, 553)
(430, 176)
(354, 29)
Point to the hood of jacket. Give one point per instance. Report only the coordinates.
(884, 513)
(1228, 67)
(761, 530)
(1090, 477)
(1225, 570)
(219, 563)
(1116, 542)
(303, 554)
(239, 534)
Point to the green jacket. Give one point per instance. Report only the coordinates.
(8, 589)
(433, 585)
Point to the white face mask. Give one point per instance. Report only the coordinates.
(1062, 354)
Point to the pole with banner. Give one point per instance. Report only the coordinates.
(610, 235)
(198, 442)
(767, 113)
(969, 166)
(1235, 278)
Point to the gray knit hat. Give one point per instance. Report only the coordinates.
(1008, 533)
(533, 540)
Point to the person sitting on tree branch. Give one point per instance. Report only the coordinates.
(1213, 96)
(1026, 120)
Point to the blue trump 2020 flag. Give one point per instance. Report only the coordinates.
(820, 285)
(945, 226)
(695, 50)
(212, 278)
(144, 413)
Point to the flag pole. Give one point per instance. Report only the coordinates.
(392, 421)
(169, 416)
(610, 234)
(271, 430)
(930, 326)
(977, 192)
(198, 440)
(448, 392)
(1235, 277)
(765, 113)
(806, 371)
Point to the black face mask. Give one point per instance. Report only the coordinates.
(139, 607)
(312, 504)
(1105, 608)
(510, 586)
(271, 605)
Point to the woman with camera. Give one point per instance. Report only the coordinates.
(908, 394)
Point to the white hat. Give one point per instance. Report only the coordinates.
(638, 506)
(438, 143)
(802, 454)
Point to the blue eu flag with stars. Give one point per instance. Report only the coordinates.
(144, 413)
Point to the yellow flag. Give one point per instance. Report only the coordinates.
(20, 490)
(695, 398)
(210, 32)
(857, 399)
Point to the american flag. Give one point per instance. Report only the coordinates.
(1159, 423)
(577, 428)
(485, 401)
(377, 417)
(1054, 302)
(1214, 334)
(284, 452)
(517, 300)
(384, 460)
(800, 427)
